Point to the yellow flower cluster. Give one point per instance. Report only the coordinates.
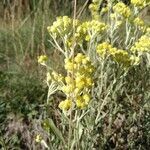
(142, 45)
(120, 56)
(78, 82)
(139, 3)
(148, 30)
(94, 8)
(138, 22)
(66, 104)
(62, 25)
(42, 59)
(104, 10)
(121, 9)
(88, 28)
(105, 49)
(54, 76)
(38, 138)
(57, 77)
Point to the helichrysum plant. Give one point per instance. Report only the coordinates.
(78, 82)
(101, 83)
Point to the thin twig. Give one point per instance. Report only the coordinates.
(80, 12)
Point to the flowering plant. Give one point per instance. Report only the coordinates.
(100, 64)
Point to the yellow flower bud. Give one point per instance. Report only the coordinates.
(68, 89)
(65, 105)
(121, 9)
(138, 21)
(69, 66)
(87, 98)
(77, 91)
(79, 78)
(87, 38)
(134, 60)
(80, 85)
(68, 79)
(38, 138)
(85, 61)
(89, 82)
(42, 59)
(80, 102)
(138, 2)
(78, 58)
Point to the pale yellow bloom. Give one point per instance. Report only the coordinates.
(86, 98)
(65, 105)
(142, 45)
(138, 2)
(80, 102)
(79, 58)
(42, 59)
(38, 138)
(68, 79)
(121, 9)
(57, 77)
(138, 21)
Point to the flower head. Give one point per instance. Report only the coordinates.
(142, 45)
(138, 3)
(121, 9)
(38, 138)
(65, 105)
(42, 59)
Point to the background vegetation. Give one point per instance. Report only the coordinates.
(23, 37)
